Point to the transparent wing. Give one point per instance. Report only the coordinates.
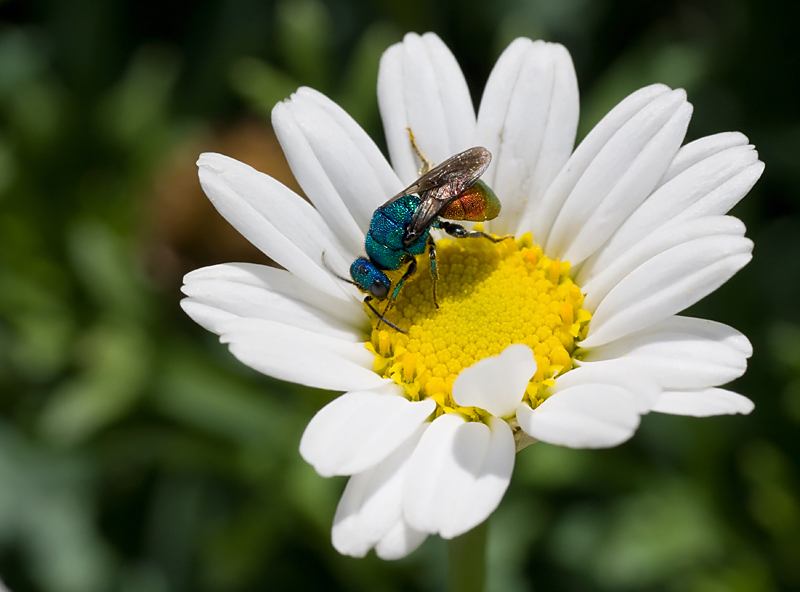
(441, 185)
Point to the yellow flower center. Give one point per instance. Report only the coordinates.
(490, 295)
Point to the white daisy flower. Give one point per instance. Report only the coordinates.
(567, 334)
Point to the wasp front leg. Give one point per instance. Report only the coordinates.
(379, 316)
(434, 268)
(412, 269)
(458, 231)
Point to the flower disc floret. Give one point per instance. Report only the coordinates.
(490, 295)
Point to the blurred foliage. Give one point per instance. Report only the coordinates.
(137, 456)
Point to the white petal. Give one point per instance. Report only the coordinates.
(256, 303)
(703, 403)
(667, 284)
(360, 429)
(642, 388)
(654, 244)
(698, 190)
(700, 150)
(339, 167)
(496, 384)
(401, 540)
(274, 219)
(541, 220)
(349, 310)
(724, 197)
(370, 510)
(298, 355)
(457, 475)
(527, 120)
(583, 416)
(619, 178)
(245, 300)
(680, 353)
(208, 317)
(421, 88)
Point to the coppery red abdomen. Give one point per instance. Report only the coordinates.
(476, 204)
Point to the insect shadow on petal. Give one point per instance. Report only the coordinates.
(400, 228)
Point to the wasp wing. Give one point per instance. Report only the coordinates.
(441, 185)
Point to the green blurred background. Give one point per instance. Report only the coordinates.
(136, 455)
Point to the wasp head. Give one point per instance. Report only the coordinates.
(370, 279)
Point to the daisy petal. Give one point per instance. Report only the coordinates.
(707, 187)
(360, 429)
(643, 390)
(273, 218)
(297, 355)
(496, 384)
(371, 507)
(421, 88)
(620, 177)
(245, 300)
(723, 198)
(703, 403)
(542, 218)
(208, 317)
(347, 310)
(399, 541)
(680, 353)
(666, 284)
(457, 474)
(337, 164)
(583, 416)
(700, 150)
(654, 244)
(527, 120)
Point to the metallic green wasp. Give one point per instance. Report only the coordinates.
(400, 228)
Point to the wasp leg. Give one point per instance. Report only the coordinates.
(434, 268)
(367, 300)
(380, 317)
(412, 269)
(459, 231)
(427, 165)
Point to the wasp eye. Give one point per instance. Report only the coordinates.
(378, 289)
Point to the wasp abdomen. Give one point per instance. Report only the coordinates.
(476, 204)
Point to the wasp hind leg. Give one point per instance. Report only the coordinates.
(434, 269)
(427, 165)
(458, 231)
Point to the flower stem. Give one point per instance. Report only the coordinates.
(467, 559)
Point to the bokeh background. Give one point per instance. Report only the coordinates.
(136, 455)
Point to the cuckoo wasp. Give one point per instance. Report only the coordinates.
(400, 228)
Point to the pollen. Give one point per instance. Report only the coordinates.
(490, 295)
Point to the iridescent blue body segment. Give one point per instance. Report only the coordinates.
(384, 243)
(365, 274)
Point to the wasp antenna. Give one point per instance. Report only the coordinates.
(382, 318)
(333, 273)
